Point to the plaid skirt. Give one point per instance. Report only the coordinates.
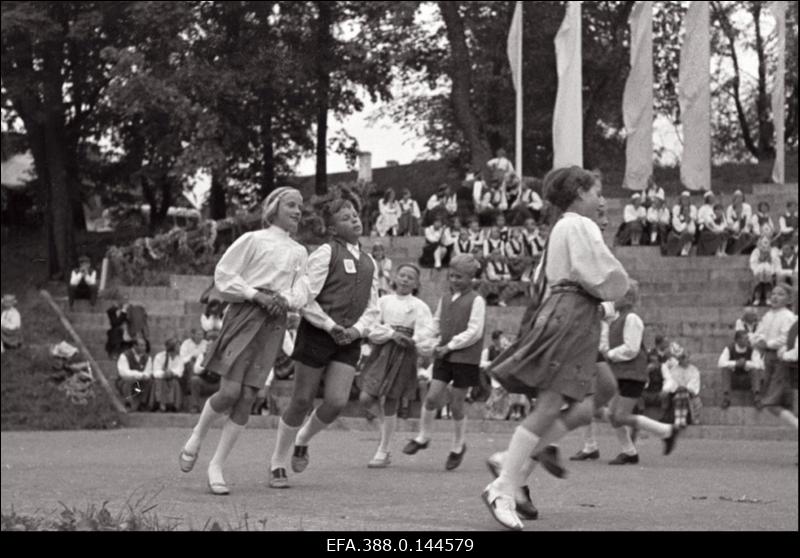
(560, 350)
(391, 370)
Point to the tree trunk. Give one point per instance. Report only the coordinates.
(460, 72)
(766, 146)
(268, 162)
(324, 55)
(217, 207)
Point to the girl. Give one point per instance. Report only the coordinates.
(684, 226)
(528, 205)
(437, 242)
(463, 245)
(476, 234)
(658, 222)
(390, 371)
(389, 217)
(168, 368)
(515, 254)
(708, 241)
(500, 225)
(494, 243)
(343, 294)
(652, 193)
(557, 355)
(740, 226)
(632, 229)
(409, 215)
(261, 275)
(763, 264)
(384, 268)
(762, 222)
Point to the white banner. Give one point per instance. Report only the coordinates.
(778, 93)
(568, 113)
(515, 59)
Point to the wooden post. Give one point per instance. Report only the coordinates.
(97, 372)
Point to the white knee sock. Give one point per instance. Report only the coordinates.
(789, 418)
(519, 450)
(556, 432)
(283, 446)
(311, 428)
(624, 437)
(425, 425)
(207, 417)
(589, 441)
(230, 433)
(653, 426)
(458, 435)
(388, 426)
(605, 414)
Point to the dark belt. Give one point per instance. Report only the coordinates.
(404, 330)
(573, 287)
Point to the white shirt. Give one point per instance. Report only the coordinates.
(410, 206)
(124, 371)
(782, 226)
(789, 356)
(632, 333)
(401, 310)
(317, 273)
(661, 216)
(210, 323)
(689, 224)
(501, 164)
(756, 226)
(162, 364)
(653, 193)
(632, 213)
(755, 362)
(190, 349)
(78, 275)
(705, 216)
(733, 217)
(11, 319)
(774, 328)
(438, 236)
(391, 209)
(755, 261)
(578, 253)
(474, 331)
(477, 192)
(264, 259)
(677, 376)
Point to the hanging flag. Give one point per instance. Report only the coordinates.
(515, 59)
(778, 93)
(568, 113)
(637, 100)
(694, 97)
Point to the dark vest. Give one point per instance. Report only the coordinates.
(735, 354)
(504, 235)
(791, 338)
(345, 296)
(516, 248)
(454, 320)
(134, 363)
(791, 220)
(494, 245)
(465, 247)
(635, 369)
(788, 263)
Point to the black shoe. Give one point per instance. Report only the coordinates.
(300, 459)
(550, 460)
(454, 459)
(413, 447)
(585, 455)
(526, 509)
(625, 459)
(669, 442)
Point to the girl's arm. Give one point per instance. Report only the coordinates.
(227, 278)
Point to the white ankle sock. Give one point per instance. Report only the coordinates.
(388, 426)
(283, 446)
(624, 437)
(789, 418)
(589, 441)
(311, 428)
(230, 433)
(425, 425)
(519, 450)
(459, 434)
(653, 426)
(207, 417)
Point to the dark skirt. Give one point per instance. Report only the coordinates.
(675, 242)
(709, 242)
(247, 345)
(777, 382)
(742, 244)
(391, 371)
(559, 352)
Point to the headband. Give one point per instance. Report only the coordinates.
(274, 198)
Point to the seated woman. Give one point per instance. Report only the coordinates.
(528, 204)
(682, 386)
(713, 233)
(764, 264)
(389, 214)
(659, 221)
(739, 215)
(10, 323)
(168, 368)
(684, 227)
(436, 251)
(408, 224)
(634, 223)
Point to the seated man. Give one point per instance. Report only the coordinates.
(83, 282)
(168, 367)
(740, 366)
(203, 384)
(682, 386)
(787, 224)
(787, 271)
(10, 324)
(135, 376)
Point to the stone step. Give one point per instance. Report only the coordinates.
(136, 294)
(152, 307)
(82, 320)
(732, 297)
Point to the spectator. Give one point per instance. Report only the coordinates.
(10, 324)
(656, 357)
(740, 366)
(786, 272)
(211, 319)
(463, 244)
(684, 227)
(192, 349)
(493, 202)
(118, 337)
(740, 226)
(83, 282)
(496, 268)
(69, 361)
(652, 193)
(500, 224)
(527, 205)
(477, 253)
(748, 322)
(713, 233)
(476, 234)
(135, 376)
(787, 224)
(762, 224)
(168, 368)
(137, 323)
(658, 222)
(437, 242)
(682, 386)
(389, 214)
(501, 166)
(441, 205)
(203, 383)
(410, 215)
(516, 258)
(511, 186)
(634, 223)
(494, 243)
(763, 264)
(384, 265)
(535, 237)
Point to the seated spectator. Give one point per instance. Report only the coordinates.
(477, 253)
(500, 166)
(762, 224)
(476, 234)
(463, 244)
(192, 349)
(384, 268)
(659, 220)
(409, 221)
(68, 361)
(83, 282)
(494, 243)
(500, 225)
(389, 214)
(527, 205)
(652, 193)
(516, 257)
(786, 272)
(763, 264)
(535, 238)
(435, 253)
(740, 366)
(442, 205)
(118, 338)
(211, 319)
(168, 368)
(634, 223)
(512, 187)
(682, 386)
(748, 322)
(496, 268)
(656, 357)
(203, 383)
(713, 233)
(742, 238)
(787, 224)
(684, 227)
(135, 376)
(493, 202)
(10, 324)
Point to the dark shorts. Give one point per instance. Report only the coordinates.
(316, 348)
(463, 376)
(630, 388)
(777, 382)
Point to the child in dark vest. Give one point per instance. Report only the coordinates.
(787, 272)
(343, 305)
(135, 376)
(262, 276)
(740, 366)
(459, 320)
(787, 224)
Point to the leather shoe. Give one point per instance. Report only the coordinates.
(454, 459)
(669, 442)
(413, 446)
(218, 488)
(502, 508)
(300, 459)
(378, 463)
(625, 459)
(187, 460)
(550, 460)
(525, 508)
(278, 478)
(585, 455)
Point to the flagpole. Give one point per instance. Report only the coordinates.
(518, 140)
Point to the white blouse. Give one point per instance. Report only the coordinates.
(680, 225)
(160, 365)
(632, 213)
(661, 216)
(401, 310)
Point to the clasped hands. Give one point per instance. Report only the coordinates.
(274, 304)
(344, 336)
